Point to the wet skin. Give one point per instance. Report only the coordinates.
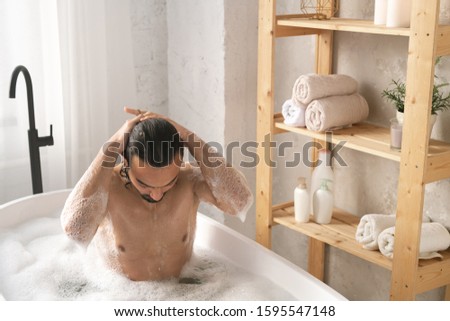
(143, 222)
(152, 240)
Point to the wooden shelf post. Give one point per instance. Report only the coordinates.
(324, 61)
(266, 48)
(419, 87)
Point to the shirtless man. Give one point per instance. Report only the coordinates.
(141, 214)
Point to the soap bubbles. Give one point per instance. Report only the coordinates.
(38, 262)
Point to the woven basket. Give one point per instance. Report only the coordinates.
(319, 9)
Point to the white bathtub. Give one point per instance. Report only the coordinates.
(242, 251)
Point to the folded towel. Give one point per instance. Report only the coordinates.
(439, 217)
(294, 115)
(370, 226)
(433, 237)
(312, 86)
(336, 112)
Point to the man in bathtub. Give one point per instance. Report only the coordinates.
(141, 214)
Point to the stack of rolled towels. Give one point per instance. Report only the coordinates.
(377, 232)
(325, 102)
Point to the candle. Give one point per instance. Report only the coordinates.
(398, 13)
(396, 134)
(380, 14)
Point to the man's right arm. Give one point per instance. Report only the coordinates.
(86, 206)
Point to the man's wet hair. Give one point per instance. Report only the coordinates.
(155, 141)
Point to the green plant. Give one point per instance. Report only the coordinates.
(396, 95)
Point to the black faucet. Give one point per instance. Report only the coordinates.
(34, 141)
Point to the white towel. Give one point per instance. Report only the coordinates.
(313, 86)
(336, 112)
(294, 115)
(433, 237)
(370, 226)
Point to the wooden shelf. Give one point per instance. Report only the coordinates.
(340, 24)
(340, 233)
(362, 137)
(295, 25)
(374, 140)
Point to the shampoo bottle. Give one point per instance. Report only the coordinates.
(301, 201)
(323, 204)
(322, 171)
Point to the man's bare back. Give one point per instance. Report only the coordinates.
(148, 237)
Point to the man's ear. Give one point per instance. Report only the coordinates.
(125, 162)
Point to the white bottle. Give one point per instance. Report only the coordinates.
(301, 202)
(323, 204)
(322, 171)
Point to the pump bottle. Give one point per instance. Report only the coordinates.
(323, 204)
(322, 171)
(301, 201)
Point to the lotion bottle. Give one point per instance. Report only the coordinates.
(323, 204)
(301, 202)
(322, 171)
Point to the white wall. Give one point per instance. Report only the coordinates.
(136, 58)
(143, 28)
(196, 66)
(150, 40)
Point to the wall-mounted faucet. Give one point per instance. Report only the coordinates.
(34, 141)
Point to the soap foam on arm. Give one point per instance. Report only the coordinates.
(223, 186)
(86, 205)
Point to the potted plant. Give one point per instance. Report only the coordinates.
(396, 95)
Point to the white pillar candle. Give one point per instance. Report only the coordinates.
(444, 12)
(398, 13)
(380, 13)
(396, 134)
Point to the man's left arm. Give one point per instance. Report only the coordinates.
(228, 185)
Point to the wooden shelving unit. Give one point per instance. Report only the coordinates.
(421, 161)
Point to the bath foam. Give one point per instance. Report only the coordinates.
(39, 262)
(76, 209)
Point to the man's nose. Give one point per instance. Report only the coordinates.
(156, 194)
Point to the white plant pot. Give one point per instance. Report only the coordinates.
(400, 117)
(432, 122)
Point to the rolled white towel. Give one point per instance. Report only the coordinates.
(336, 112)
(313, 86)
(294, 115)
(370, 226)
(433, 237)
